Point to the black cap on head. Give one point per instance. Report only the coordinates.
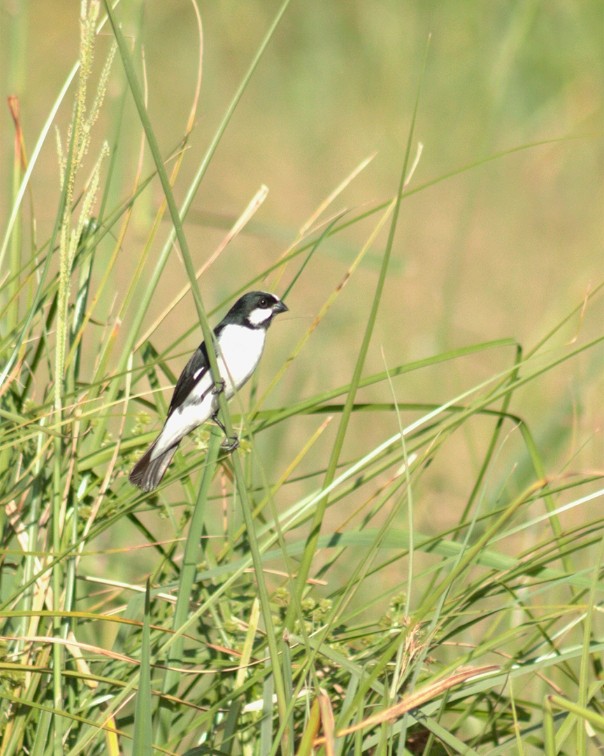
(256, 309)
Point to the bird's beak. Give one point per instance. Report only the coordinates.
(280, 307)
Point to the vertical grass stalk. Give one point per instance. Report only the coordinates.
(70, 165)
(177, 220)
(313, 538)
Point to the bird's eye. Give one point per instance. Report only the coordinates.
(263, 302)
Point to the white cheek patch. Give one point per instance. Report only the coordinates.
(260, 315)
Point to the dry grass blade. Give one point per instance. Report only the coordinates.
(332, 196)
(328, 722)
(241, 222)
(419, 698)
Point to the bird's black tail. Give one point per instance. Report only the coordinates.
(147, 473)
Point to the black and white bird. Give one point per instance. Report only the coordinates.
(239, 341)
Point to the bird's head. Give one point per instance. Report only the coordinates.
(256, 309)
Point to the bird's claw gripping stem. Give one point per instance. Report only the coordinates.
(230, 443)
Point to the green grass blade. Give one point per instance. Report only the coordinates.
(142, 738)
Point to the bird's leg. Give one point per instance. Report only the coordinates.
(230, 442)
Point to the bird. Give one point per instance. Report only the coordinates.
(239, 342)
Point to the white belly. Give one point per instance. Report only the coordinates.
(240, 352)
(237, 360)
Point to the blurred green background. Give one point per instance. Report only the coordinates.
(500, 236)
(504, 249)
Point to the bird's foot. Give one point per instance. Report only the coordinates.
(230, 443)
(219, 387)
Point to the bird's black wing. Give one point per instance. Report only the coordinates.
(194, 371)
